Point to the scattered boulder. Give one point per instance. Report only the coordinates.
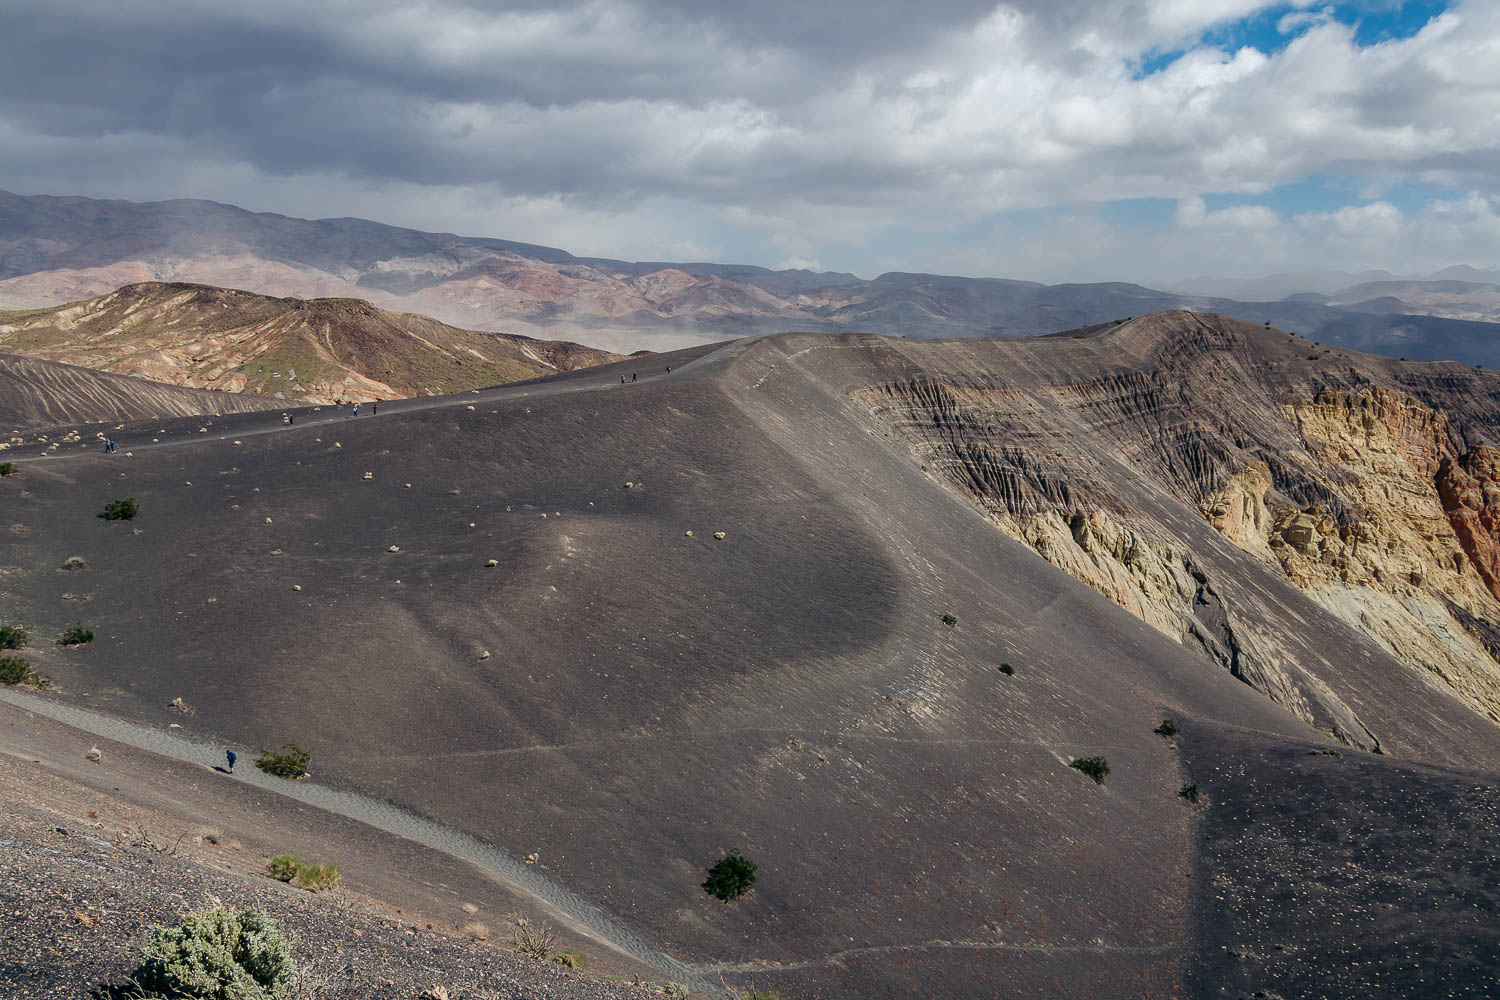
(369, 475)
(95, 754)
(688, 533)
(268, 520)
(394, 548)
(297, 586)
(492, 562)
(719, 536)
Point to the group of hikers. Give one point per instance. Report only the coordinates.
(374, 408)
(633, 376)
(109, 446)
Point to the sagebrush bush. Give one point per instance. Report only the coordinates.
(121, 510)
(1007, 669)
(14, 670)
(1167, 728)
(76, 636)
(318, 877)
(572, 958)
(13, 636)
(7, 468)
(732, 877)
(950, 620)
(218, 955)
(291, 764)
(1094, 767)
(284, 867)
(1189, 792)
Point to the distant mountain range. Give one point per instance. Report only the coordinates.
(62, 249)
(305, 351)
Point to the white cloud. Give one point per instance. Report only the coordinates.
(628, 127)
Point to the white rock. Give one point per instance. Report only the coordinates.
(296, 586)
(394, 548)
(492, 562)
(719, 535)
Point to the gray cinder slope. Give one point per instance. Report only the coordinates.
(651, 698)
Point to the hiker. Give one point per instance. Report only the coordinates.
(632, 376)
(375, 408)
(355, 408)
(669, 369)
(291, 418)
(622, 379)
(232, 758)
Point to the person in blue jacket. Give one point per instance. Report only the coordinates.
(232, 758)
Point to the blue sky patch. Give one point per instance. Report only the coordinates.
(1373, 23)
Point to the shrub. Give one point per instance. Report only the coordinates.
(13, 636)
(121, 510)
(674, 990)
(1094, 767)
(74, 563)
(318, 877)
(731, 878)
(292, 764)
(532, 938)
(1007, 669)
(218, 955)
(76, 636)
(1189, 792)
(1167, 728)
(9, 468)
(572, 958)
(284, 867)
(14, 670)
(950, 620)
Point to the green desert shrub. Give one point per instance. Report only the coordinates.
(218, 955)
(1189, 792)
(7, 468)
(121, 510)
(732, 877)
(1094, 767)
(76, 636)
(14, 670)
(13, 636)
(1167, 728)
(950, 620)
(1007, 669)
(532, 938)
(572, 958)
(291, 764)
(284, 867)
(318, 877)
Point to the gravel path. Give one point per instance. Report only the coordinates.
(565, 905)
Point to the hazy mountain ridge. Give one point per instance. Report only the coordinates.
(312, 351)
(55, 250)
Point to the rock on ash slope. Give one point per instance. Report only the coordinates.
(629, 696)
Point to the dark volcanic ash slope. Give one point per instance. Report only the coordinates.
(37, 393)
(628, 695)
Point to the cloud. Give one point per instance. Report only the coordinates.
(774, 131)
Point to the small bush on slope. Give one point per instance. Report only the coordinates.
(218, 955)
(731, 878)
(1094, 767)
(292, 764)
(121, 510)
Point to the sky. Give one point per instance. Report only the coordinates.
(1052, 140)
